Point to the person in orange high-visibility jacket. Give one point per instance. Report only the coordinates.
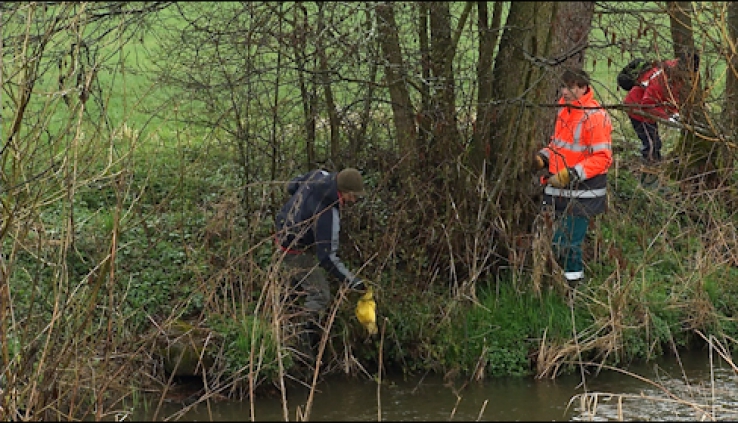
(577, 160)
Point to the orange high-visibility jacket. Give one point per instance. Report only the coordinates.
(581, 142)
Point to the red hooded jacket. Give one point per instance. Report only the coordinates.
(655, 90)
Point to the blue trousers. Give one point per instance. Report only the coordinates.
(567, 242)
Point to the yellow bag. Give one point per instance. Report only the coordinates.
(366, 312)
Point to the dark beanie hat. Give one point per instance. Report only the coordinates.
(349, 180)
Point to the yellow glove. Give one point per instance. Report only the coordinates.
(538, 162)
(561, 179)
(366, 312)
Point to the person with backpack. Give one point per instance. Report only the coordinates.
(645, 127)
(576, 161)
(654, 92)
(307, 229)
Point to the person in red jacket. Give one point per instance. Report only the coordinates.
(656, 94)
(577, 159)
(646, 128)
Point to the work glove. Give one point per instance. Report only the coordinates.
(562, 178)
(539, 162)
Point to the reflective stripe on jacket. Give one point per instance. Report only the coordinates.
(652, 90)
(581, 142)
(662, 93)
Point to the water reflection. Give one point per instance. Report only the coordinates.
(694, 391)
(677, 391)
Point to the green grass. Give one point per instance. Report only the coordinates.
(186, 241)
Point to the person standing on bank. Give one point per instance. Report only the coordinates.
(645, 127)
(307, 229)
(656, 93)
(577, 159)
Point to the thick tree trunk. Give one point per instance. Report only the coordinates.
(445, 142)
(516, 128)
(402, 108)
(697, 155)
(571, 26)
(488, 37)
(532, 55)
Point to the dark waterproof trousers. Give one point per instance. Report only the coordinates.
(307, 279)
(648, 133)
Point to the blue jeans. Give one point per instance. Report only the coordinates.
(648, 133)
(567, 242)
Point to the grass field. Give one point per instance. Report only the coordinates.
(157, 180)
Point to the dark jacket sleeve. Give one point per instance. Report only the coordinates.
(326, 246)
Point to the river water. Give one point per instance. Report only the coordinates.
(695, 386)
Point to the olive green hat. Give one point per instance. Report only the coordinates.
(350, 180)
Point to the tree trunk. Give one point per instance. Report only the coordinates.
(446, 137)
(307, 95)
(516, 128)
(730, 110)
(425, 126)
(394, 68)
(571, 26)
(334, 123)
(358, 135)
(697, 155)
(488, 37)
(730, 103)
(535, 51)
